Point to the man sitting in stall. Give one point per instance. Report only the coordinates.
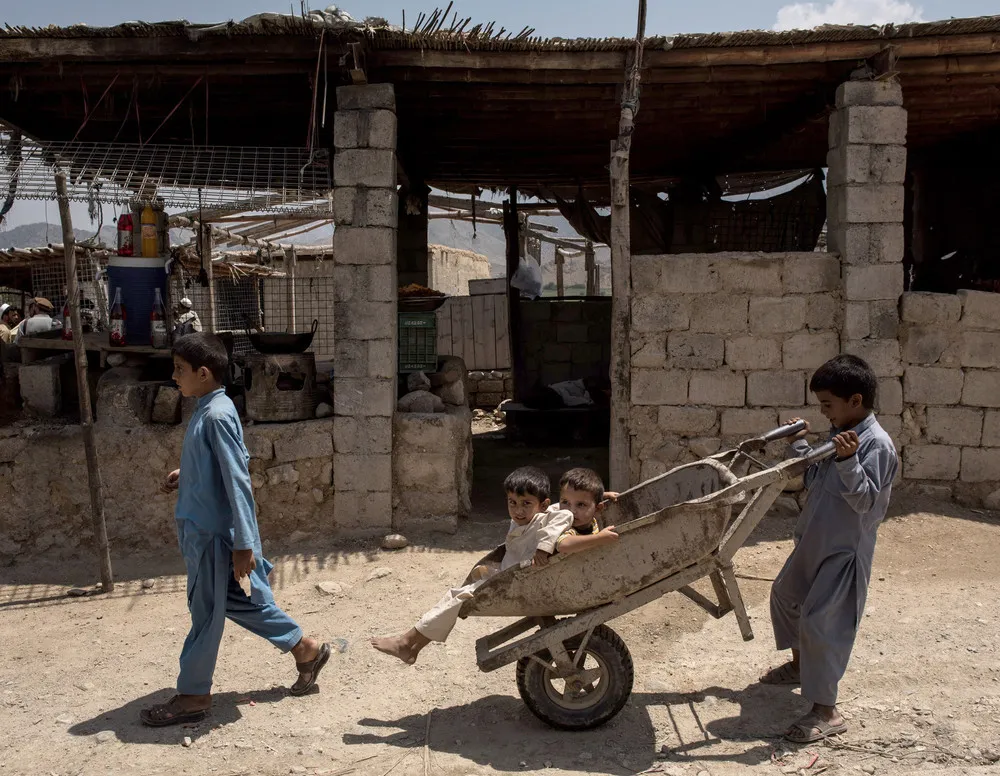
(9, 318)
(39, 320)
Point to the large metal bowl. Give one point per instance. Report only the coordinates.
(279, 343)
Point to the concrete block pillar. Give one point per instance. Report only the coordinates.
(364, 310)
(867, 170)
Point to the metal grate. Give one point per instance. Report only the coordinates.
(265, 302)
(189, 177)
(48, 279)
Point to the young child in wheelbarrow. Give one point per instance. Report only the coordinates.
(217, 529)
(535, 526)
(818, 598)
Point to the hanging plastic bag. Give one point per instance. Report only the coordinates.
(528, 279)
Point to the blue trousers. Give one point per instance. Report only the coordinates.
(213, 595)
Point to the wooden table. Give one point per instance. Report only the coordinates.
(35, 348)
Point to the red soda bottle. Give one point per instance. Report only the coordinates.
(118, 317)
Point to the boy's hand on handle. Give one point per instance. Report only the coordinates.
(541, 558)
(243, 563)
(172, 482)
(610, 495)
(608, 535)
(802, 434)
(847, 444)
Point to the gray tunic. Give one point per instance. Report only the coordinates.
(819, 597)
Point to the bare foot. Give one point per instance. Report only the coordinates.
(406, 647)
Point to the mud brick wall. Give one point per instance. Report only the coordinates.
(44, 487)
(722, 349)
(951, 394)
(564, 339)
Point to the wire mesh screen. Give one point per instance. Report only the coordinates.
(265, 302)
(48, 280)
(237, 178)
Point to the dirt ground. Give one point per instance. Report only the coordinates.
(922, 694)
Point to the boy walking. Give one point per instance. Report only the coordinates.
(535, 527)
(217, 529)
(818, 599)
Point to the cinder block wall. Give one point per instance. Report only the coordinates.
(565, 339)
(722, 349)
(950, 432)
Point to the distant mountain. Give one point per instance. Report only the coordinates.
(40, 234)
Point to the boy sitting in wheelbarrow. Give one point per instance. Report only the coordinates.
(581, 491)
(818, 598)
(535, 527)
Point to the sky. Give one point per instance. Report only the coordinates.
(550, 18)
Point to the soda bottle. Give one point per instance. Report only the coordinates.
(118, 318)
(150, 242)
(67, 329)
(126, 241)
(158, 322)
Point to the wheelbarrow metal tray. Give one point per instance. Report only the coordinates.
(672, 522)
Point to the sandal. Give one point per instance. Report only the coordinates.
(310, 669)
(787, 674)
(811, 728)
(167, 714)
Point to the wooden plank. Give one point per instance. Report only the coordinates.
(480, 332)
(444, 329)
(490, 335)
(468, 336)
(502, 329)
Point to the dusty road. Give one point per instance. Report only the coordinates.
(922, 693)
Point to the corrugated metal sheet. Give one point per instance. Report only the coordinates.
(389, 38)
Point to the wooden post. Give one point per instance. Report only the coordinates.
(560, 261)
(83, 388)
(512, 231)
(290, 262)
(588, 258)
(205, 237)
(621, 273)
(597, 281)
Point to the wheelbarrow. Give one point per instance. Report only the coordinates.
(573, 671)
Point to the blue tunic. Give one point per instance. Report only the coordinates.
(215, 514)
(818, 598)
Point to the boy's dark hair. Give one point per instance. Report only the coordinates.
(528, 481)
(203, 350)
(845, 376)
(586, 480)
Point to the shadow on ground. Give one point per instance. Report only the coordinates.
(124, 720)
(499, 732)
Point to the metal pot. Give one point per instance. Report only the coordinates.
(280, 343)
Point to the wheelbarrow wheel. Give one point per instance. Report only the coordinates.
(589, 699)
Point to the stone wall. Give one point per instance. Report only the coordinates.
(951, 394)
(487, 389)
(432, 469)
(449, 270)
(565, 339)
(45, 493)
(722, 349)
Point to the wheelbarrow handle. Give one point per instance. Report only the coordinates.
(783, 432)
(822, 452)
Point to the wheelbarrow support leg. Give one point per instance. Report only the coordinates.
(732, 591)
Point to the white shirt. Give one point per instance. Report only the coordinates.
(541, 533)
(36, 324)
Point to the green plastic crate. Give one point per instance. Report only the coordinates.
(417, 342)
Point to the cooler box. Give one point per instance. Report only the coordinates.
(138, 278)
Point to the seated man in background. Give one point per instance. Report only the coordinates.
(39, 320)
(9, 318)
